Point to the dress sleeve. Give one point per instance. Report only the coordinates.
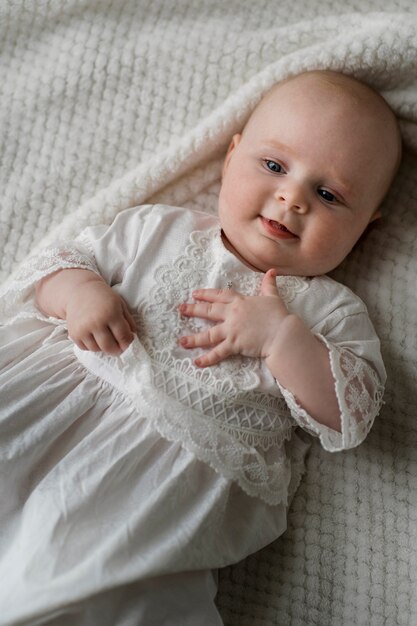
(17, 296)
(359, 377)
(105, 250)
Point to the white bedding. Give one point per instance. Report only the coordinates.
(107, 104)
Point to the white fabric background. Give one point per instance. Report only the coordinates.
(106, 104)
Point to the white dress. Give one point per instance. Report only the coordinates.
(125, 480)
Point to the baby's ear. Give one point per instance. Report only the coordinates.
(235, 140)
(375, 216)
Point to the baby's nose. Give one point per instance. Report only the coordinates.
(293, 198)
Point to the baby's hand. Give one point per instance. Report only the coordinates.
(246, 325)
(98, 318)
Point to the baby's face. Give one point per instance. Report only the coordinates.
(304, 179)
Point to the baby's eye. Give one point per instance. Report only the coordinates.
(326, 195)
(273, 166)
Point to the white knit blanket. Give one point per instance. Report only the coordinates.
(107, 104)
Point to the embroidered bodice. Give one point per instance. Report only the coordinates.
(234, 415)
(234, 393)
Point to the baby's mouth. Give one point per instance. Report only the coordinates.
(277, 228)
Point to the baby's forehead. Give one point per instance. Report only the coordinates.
(307, 102)
(332, 91)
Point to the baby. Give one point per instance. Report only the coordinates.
(156, 468)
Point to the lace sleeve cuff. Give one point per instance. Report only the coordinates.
(359, 392)
(17, 295)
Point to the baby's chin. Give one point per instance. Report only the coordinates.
(307, 268)
(302, 271)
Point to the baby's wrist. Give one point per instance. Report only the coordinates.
(286, 332)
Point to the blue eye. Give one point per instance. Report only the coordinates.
(326, 195)
(273, 166)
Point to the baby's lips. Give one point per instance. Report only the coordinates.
(277, 228)
(282, 227)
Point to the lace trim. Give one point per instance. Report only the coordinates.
(290, 286)
(252, 417)
(360, 396)
(17, 296)
(260, 473)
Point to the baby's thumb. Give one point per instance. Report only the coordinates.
(269, 285)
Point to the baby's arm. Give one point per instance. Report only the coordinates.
(261, 326)
(97, 318)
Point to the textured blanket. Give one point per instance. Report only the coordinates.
(107, 104)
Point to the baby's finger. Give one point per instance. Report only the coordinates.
(269, 284)
(129, 317)
(80, 344)
(206, 338)
(219, 353)
(90, 344)
(214, 295)
(205, 310)
(122, 333)
(107, 342)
